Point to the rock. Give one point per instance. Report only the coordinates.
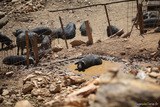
(2, 14)
(41, 92)
(3, 21)
(134, 72)
(27, 88)
(76, 102)
(123, 53)
(28, 78)
(141, 75)
(85, 91)
(128, 47)
(5, 92)
(155, 69)
(57, 48)
(1, 99)
(142, 49)
(154, 74)
(53, 103)
(72, 80)
(23, 103)
(77, 43)
(98, 41)
(126, 93)
(38, 72)
(8, 104)
(55, 88)
(9, 74)
(13, 1)
(39, 98)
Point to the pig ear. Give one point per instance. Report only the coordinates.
(76, 63)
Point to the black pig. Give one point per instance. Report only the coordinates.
(69, 30)
(83, 29)
(42, 30)
(88, 61)
(17, 60)
(5, 40)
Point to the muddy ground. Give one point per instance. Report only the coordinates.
(54, 78)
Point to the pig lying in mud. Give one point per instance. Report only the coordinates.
(88, 61)
(17, 60)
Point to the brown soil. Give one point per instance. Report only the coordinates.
(135, 45)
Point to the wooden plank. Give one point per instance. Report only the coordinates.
(60, 19)
(27, 47)
(89, 33)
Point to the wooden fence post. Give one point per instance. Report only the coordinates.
(27, 47)
(63, 31)
(140, 18)
(89, 33)
(109, 24)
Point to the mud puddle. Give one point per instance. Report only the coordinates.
(95, 71)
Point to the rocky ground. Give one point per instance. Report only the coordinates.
(134, 83)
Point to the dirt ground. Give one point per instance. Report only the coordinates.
(125, 48)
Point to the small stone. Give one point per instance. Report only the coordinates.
(41, 92)
(38, 72)
(141, 75)
(1, 99)
(154, 74)
(77, 43)
(155, 69)
(72, 80)
(23, 103)
(122, 53)
(27, 88)
(142, 50)
(5, 92)
(53, 103)
(57, 48)
(128, 47)
(13, 1)
(8, 103)
(28, 78)
(9, 74)
(55, 88)
(39, 98)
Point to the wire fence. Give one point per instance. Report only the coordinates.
(120, 14)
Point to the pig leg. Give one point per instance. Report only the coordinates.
(17, 50)
(2, 45)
